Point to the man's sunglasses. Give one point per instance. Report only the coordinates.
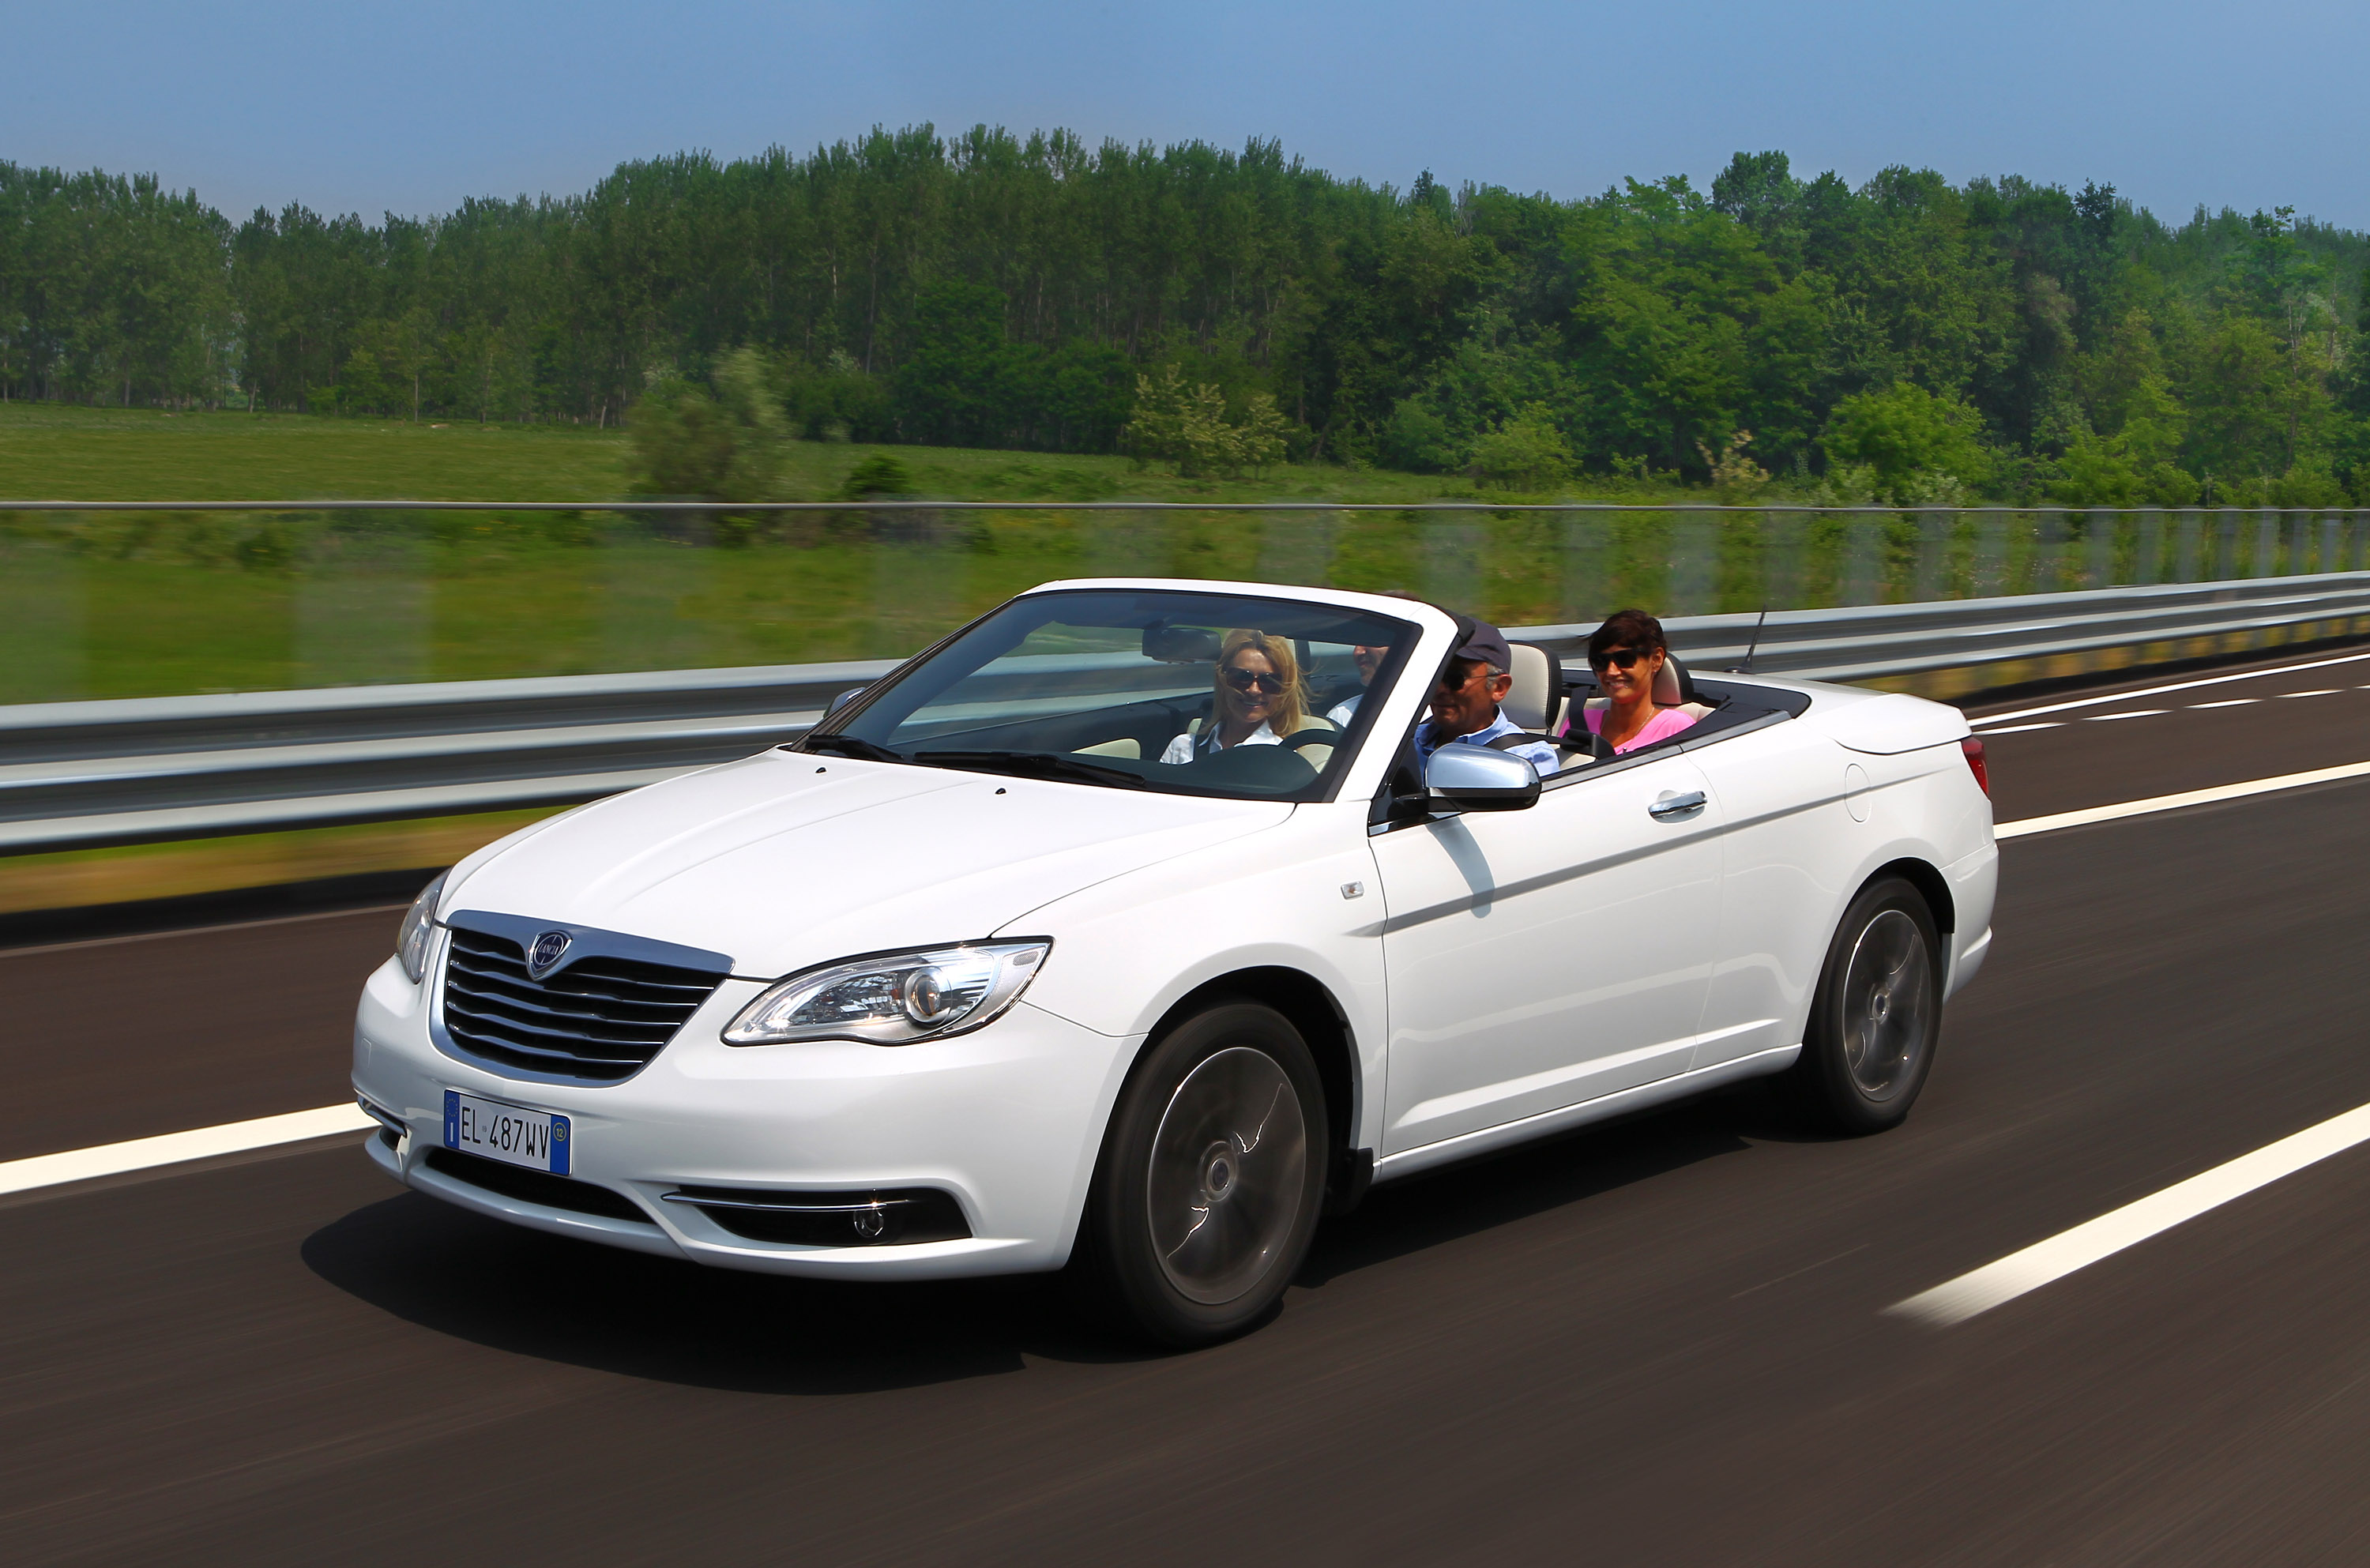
(1616, 659)
(1243, 680)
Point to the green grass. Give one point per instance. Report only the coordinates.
(52, 451)
(101, 604)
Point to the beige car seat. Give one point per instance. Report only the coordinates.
(1534, 700)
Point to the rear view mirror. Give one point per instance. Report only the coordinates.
(1180, 644)
(1480, 779)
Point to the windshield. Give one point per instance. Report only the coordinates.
(1204, 694)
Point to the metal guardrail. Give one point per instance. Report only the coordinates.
(77, 775)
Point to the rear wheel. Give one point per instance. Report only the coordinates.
(1211, 1177)
(1878, 1014)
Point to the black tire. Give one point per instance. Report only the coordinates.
(1211, 1179)
(1877, 1016)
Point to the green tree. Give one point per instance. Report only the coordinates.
(1906, 437)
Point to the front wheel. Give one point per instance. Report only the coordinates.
(1878, 1013)
(1211, 1178)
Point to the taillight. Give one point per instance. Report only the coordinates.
(1974, 748)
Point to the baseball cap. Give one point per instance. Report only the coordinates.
(1483, 643)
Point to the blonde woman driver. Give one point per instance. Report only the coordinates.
(1256, 701)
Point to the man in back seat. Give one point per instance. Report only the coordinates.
(1465, 702)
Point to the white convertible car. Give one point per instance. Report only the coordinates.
(1005, 966)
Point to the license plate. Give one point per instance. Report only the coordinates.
(536, 1139)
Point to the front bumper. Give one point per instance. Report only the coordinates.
(1008, 1120)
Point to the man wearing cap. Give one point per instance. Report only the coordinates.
(1464, 701)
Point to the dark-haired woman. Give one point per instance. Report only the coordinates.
(1627, 652)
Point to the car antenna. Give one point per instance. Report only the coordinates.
(1753, 647)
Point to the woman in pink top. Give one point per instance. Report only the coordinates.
(1627, 652)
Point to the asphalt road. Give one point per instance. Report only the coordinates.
(1657, 1342)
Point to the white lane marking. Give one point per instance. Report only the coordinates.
(2135, 713)
(2174, 802)
(2020, 728)
(2325, 691)
(1961, 1298)
(172, 1148)
(203, 931)
(2177, 685)
(2228, 702)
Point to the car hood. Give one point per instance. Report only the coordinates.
(787, 860)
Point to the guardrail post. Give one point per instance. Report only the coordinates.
(1586, 562)
(2224, 567)
(1863, 570)
(42, 595)
(2098, 545)
(1693, 563)
(1935, 531)
(2047, 572)
(363, 603)
(1452, 562)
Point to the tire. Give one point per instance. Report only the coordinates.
(1877, 1016)
(1212, 1176)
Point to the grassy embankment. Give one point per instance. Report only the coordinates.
(132, 605)
(116, 607)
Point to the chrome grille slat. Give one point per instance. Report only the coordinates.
(496, 1024)
(527, 997)
(625, 992)
(599, 1019)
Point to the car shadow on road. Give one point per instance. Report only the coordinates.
(676, 1321)
(1465, 1199)
(527, 1292)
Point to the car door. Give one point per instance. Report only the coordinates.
(1542, 957)
(1786, 791)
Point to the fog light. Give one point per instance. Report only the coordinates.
(870, 1224)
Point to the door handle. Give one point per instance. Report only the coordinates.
(1671, 808)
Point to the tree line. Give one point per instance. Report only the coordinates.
(1905, 340)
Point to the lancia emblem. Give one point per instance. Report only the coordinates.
(547, 953)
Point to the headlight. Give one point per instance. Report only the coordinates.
(418, 925)
(893, 1000)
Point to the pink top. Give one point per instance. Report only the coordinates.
(1665, 723)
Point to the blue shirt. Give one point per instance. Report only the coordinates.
(1539, 754)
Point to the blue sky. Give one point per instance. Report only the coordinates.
(369, 107)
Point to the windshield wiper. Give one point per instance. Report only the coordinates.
(852, 745)
(1034, 765)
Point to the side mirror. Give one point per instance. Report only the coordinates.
(842, 700)
(1480, 779)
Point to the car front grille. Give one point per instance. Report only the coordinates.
(599, 1019)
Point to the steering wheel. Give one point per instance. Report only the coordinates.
(1302, 740)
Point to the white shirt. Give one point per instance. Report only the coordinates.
(1341, 712)
(1182, 748)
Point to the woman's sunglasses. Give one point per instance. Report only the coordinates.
(1243, 680)
(1617, 659)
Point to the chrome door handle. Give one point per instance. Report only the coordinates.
(1671, 808)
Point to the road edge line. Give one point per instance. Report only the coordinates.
(174, 1149)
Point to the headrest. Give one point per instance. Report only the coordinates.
(1673, 685)
(1538, 682)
